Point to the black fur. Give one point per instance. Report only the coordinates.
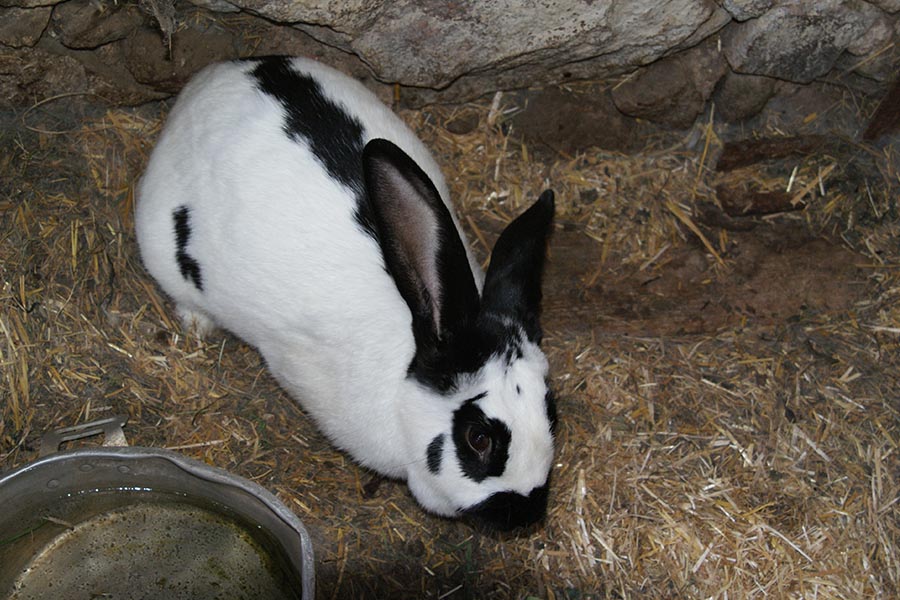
(508, 510)
(434, 454)
(512, 285)
(334, 136)
(550, 404)
(438, 311)
(467, 335)
(513, 352)
(510, 305)
(475, 467)
(466, 349)
(189, 267)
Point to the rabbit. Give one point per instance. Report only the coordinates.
(286, 204)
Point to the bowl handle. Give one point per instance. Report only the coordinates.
(111, 428)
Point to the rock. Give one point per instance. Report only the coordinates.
(147, 56)
(797, 40)
(672, 91)
(566, 122)
(20, 27)
(880, 66)
(815, 108)
(456, 51)
(890, 6)
(216, 5)
(742, 10)
(441, 42)
(876, 38)
(349, 15)
(739, 97)
(84, 24)
(260, 38)
(29, 75)
(463, 122)
(29, 3)
(661, 93)
(886, 119)
(718, 19)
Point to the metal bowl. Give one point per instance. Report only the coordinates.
(144, 523)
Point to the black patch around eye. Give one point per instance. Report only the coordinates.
(434, 454)
(505, 511)
(474, 466)
(189, 268)
(550, 405)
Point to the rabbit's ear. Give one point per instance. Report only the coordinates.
(421, 245)
(512, 286)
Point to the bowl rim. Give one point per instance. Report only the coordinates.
(199, 470)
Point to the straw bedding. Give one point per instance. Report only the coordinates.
(728, 429)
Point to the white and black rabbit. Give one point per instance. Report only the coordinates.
(288, 205)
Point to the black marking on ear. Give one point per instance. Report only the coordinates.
(334, 136)
(435, 449)
(475, 466)
(510, 304)
(512, 285)
(508, 510)
(423, 253)
(190, 268)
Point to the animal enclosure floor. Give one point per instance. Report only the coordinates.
(728, 383)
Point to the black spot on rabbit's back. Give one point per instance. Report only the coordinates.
(189, 268)
(334, 136)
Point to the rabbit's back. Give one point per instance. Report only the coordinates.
(252, 214)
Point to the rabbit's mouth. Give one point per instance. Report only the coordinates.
(506, 511)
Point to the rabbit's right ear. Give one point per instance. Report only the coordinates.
(512, 285)
(421, 246)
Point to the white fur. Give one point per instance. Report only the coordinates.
(531, 449)
(286, 268)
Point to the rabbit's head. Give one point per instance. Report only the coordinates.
(479, 420)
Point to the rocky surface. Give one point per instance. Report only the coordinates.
(799, 40)
(742, 10)
(565, 122)
(739, 97)
(673, 91)
(20, 27)
(82, 24)
(667, 58)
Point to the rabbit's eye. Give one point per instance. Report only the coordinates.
(478, 440)
(482, 443)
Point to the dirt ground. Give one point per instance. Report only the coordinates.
(728, 386)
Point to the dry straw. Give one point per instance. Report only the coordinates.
(756, 460)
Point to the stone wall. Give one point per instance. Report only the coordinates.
(677, 53)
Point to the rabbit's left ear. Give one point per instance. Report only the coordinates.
(421, 245)
(512, 286)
